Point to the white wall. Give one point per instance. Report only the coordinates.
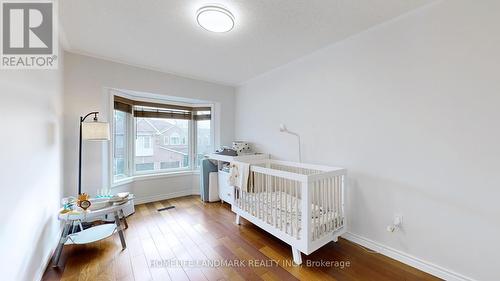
(84, 84)
(30, 179)
(411, 109)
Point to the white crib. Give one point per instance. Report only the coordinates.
(280, 194)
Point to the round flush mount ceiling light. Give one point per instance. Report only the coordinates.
(215, 18)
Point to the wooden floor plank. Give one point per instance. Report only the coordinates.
(173, 244)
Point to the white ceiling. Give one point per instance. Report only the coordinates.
(164, 35)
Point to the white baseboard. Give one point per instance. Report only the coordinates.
(45, 264)
(405, 258)
(159, 197)
(47, 259)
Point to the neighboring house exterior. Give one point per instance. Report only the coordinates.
(160, 145)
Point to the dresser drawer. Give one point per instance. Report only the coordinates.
(228, 194)
(226, 191)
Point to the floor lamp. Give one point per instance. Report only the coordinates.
(92, 131)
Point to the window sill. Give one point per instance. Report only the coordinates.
(153, 177)
(122, 181)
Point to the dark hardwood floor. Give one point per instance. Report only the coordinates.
(179, 243)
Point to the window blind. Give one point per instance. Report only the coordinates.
(144, 109)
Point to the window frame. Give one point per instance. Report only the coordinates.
(130, 142)
(195, 136)
(147, 144)
(127, 151)
(177, 137)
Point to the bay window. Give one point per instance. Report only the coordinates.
(204, 143)
(158, 138)
(120, 154)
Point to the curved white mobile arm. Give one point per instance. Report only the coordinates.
(284, 129)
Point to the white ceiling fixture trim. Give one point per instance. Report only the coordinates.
(215, 18)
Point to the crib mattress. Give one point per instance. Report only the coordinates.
(281, 210)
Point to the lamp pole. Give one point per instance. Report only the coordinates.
(82, 119)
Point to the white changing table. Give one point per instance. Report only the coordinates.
(74, 219)
(226, 191)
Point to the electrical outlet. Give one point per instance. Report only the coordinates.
(398, 220)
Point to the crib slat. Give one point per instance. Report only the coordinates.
(313, 218)
(280, 198)
(277, 200)
(341, 192)
(284, 217)
(245, 203)
(287, 197)
(273, 195)
(323, 207)
(320, 203)
(271, 209)
(297, 213)
(323, 212)
(270, 204)
(258, 195)
(334, 194)
(276, 204)
(262, 199)
(293, 210)
(316, 207)
(267, 203)
(311, 210)
(331, 203)
(263, 184)
(326, 210)
(336, 202)
(277, 188)
(284, 206)
(291, 207)
(253, 197)
(257, 198)
(337, 190)
(243, 200)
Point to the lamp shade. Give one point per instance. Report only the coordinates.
(97, 131)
